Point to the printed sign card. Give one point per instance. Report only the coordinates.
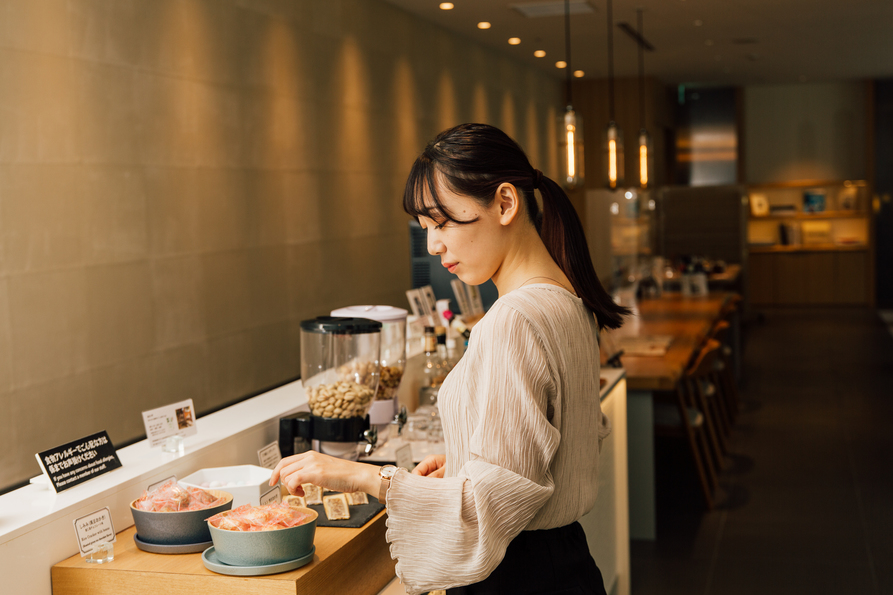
(94, 528)
(176, 419)
(81, 460)
(403, 457)
(269, 456)
(273, 495)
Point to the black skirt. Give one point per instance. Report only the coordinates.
(554, 561)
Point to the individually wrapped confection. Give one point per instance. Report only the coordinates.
(269, 517)
(172, 497)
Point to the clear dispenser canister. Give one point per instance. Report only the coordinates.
(340, 365)
(393, 356)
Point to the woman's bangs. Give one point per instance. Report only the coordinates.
(420, 198)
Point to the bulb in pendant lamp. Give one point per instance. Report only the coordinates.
(570, 127)
(646, 159)
(614, 155)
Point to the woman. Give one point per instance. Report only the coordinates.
(521, 415)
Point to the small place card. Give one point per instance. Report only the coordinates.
(158, 484)
(76, 462)
(176, 419)
(274, 495)
(403, 457)
(93, 529)
(269, 456)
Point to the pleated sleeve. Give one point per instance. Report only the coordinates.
(454, 531)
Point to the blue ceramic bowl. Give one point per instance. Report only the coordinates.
(177, 528)
(261, 548)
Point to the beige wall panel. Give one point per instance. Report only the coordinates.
(120, 313)
(183, 181)
(49, 324)
(5, 340)
(178, 301)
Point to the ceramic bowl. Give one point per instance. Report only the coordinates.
(261, 548)
(177, 528)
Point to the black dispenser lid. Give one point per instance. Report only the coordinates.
(336, 325)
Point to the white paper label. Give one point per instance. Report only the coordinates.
(158, 484)
(403, 457)
(94, 528)
(269, 456)
(273, 495)
(176, 419)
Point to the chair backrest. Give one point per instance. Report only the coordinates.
(703, 364)
(720, 331)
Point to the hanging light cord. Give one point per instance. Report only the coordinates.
(641, 72)
(610, 62)
(567, 48)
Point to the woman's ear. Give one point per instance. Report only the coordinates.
(508, 202)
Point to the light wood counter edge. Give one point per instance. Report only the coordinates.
(346, 561)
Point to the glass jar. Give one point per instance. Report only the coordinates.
(340, 365)
(393, 356)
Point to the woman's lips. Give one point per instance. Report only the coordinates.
(451, 266)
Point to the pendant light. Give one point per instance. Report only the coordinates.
(646, 155)
(570, 124)
(613, 135)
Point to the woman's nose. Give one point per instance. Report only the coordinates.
(435, 246)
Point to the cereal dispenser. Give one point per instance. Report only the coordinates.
(393, 358)
(340, 369)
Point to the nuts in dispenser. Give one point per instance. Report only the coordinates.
(342, 399)
(389, 382)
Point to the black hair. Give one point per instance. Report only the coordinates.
(473, 160)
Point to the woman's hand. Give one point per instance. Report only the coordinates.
(431, 466)
(327, 472)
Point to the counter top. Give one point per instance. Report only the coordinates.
(355, 561)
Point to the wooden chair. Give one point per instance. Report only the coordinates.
(724, 376)
(692, 416)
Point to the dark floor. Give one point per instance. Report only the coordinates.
(806, 500)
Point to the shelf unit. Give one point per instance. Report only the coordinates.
(828, 259)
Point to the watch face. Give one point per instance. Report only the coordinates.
(388, 471)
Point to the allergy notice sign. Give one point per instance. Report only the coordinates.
(81, 460)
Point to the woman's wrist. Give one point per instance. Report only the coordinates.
(370, 480)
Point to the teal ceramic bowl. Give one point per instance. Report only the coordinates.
(262, 548)
(177, 528)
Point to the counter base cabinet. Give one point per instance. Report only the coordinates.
(805, 278)
(355, 561)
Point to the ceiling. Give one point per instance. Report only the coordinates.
(727, 42)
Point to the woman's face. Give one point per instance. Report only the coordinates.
(472, 251)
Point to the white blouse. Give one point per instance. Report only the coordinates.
(523, 428)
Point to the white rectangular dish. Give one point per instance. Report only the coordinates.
(245, 482)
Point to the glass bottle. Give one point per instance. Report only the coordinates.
(432, 370)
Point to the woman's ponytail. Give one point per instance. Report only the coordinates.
(562, 233)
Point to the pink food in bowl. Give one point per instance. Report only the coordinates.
(269, 517)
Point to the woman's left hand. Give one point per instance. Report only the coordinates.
(327, 472)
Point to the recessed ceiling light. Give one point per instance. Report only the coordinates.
(540, 53)
(698, 22)
(514, 40)
(483, 25)
(561, 64)
(446, 6)
(579, 73)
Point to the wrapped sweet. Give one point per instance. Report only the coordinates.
(172, 497)
(269, 517)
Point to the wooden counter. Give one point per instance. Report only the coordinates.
(355, 561)
(687, 319)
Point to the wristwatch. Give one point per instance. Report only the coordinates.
(385, 473)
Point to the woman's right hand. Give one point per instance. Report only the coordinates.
(431, 466)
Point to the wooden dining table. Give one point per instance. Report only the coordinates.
(684, 322)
